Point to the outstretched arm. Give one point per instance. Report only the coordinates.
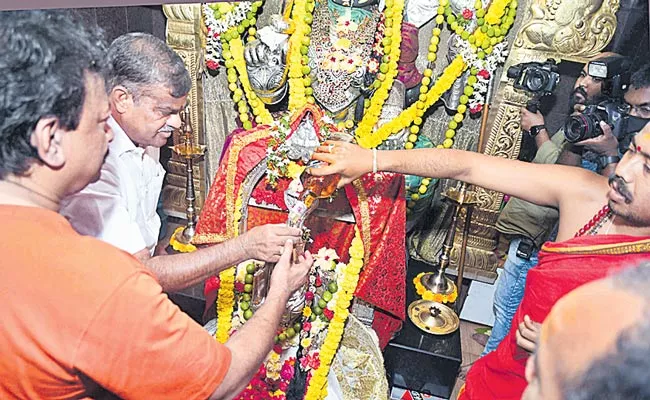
(254, 340)
(540, 184)
(178, 271)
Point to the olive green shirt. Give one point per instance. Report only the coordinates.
(523, 218)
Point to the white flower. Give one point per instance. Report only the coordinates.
(317, 326)
(325, 259)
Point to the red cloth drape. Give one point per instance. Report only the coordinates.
(562, 267)
(378, 204)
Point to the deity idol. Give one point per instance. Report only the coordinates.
(324, 68)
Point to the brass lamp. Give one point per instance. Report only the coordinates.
(189, 151)
(428, 315)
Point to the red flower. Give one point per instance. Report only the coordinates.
(277, 348)
(467, 13)
(319, 282)
(239, 287)
(211, 64)
(329, 314)
(484, 74)
(211, 284)
(476, 109)
(306, 326)
(309, 296)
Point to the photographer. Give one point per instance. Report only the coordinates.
(527, 225)
(601, 133)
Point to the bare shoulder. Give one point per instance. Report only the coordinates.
(581, 201)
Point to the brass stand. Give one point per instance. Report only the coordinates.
(189, 151)
(428, 315)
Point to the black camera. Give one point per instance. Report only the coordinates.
(614, 71)
(535, 77)
(586, 125)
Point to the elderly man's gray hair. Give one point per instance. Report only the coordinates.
(140, 61)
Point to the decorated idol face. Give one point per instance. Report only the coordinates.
(629, 193)
(340, 51)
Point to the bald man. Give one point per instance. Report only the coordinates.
(594, 343)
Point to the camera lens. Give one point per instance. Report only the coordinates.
(583, 126)
(575, 128)
(536, 80)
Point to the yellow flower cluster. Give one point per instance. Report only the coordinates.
(178, 246)
(426, 81)
(225, 303)
(300, 91)
(446, 80)
(294, 170)
(387, 74)
(347, 284)
(496, 11)
(262, 115)
(428, 295)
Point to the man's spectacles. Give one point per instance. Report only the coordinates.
(641, 111)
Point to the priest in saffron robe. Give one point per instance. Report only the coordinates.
(604, 226)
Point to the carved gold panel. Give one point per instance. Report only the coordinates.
(184, 34)
(573, 30)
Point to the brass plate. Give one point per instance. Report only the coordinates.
(421, 313)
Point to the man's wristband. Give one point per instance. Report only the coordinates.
(604, 161)
(536, 129)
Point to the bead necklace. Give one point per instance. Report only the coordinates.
(596, 223)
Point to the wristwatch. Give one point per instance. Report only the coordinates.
(535, 129)
(604, 161)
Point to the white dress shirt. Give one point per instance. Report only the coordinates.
(120, 208)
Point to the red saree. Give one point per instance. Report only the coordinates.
(378, 204)
(562, 267)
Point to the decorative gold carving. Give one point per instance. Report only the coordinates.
(185, 36)
(575, 29)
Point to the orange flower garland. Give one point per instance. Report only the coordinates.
(428, 295)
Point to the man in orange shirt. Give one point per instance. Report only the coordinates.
(80, 318)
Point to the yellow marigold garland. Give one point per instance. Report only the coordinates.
(225, 303)
(482, 39)
(428, 295)
(392, 39)
(347, 285)
(299, 81)
(262, 115)
(496, 11)
(446, 80)
(178, 246)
